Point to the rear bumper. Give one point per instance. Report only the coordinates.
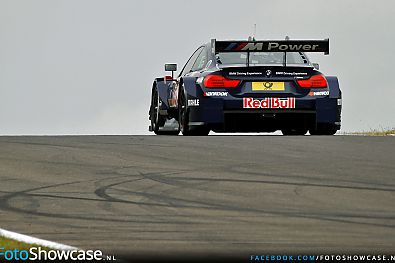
(266, 120)
(222, 114)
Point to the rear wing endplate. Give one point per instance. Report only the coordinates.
(318, 46)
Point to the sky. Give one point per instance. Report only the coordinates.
(87, 66)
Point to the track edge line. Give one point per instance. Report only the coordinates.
(32, 240)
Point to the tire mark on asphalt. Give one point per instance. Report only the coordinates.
(5, 205)
(180, 203)
(286, 183)
(186, 203)
(79, 146)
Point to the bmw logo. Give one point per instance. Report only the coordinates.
(268, 72)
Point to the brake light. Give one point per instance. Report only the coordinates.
(217, 81)
(316, 81)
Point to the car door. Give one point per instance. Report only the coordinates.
(173, 101)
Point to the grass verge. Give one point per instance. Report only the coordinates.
(382, 132)
(10, 244)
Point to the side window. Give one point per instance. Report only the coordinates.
(188, 66)
(201, 61)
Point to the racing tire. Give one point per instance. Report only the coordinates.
(324, 130)
(294, 132)
(158, 120)
(199, 131)
(183, 119)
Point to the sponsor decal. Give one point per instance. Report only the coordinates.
(271, 46)
(319, 93)
(245, 73)
(245, 46)
(193, 103)
(269, 103)
(268, 86)
(268, 73)
(283, 73)
(290, 47)
(215, 94)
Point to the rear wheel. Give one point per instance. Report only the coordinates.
(158, 120)
(294, 132)
(199, 131)
(324, 130)
(183, 119)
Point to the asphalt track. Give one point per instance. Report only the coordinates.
(232, 195)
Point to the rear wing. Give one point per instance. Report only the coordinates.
(320, 46)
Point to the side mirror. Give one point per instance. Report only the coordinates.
(170, 67)
(316, 66)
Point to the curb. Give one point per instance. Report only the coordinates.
(33, 240)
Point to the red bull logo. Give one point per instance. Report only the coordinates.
(269, 103)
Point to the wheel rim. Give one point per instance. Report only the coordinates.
(182, 112)
(155, 112)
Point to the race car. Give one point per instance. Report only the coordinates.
(248, 86)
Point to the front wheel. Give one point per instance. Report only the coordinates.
(158, 120)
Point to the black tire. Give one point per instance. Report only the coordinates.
(157, 120)
(294, 132)
(199, 131)
(183, 119)
(169, 133)
(324, 130)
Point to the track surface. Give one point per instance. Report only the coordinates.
(218, 194)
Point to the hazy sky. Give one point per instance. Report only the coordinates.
(87, 66)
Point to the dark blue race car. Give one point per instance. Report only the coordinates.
(248, 86)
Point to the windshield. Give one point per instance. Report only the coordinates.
(260, 58)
